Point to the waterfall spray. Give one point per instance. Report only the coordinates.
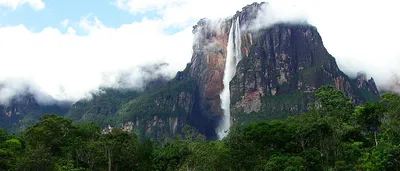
(233, 57)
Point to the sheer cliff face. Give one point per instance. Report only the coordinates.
(208, 63)
(24, 111)
(282, 61)
(281, 68)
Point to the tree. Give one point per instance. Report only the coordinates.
(369, 117)
(52, 132)
(120, 149)
(334, 102)
(391, 118)
(38, 158)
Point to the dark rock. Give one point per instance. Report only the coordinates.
(283, 61)
(23, 111)
(282, 66)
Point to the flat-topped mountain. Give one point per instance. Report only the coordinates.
(279, 69)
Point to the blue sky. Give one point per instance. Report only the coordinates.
(177, 13)
(105, 38)
(58, 10)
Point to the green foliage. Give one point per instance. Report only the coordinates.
(277, 107)
(7, 159)
(159, 102)
(102, 107)
(334, 135)
(287, 163)
(308, 75)
(367, 95)
(115, 107)
(51, 132)
(334, 102)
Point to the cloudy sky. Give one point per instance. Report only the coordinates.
(67, 48)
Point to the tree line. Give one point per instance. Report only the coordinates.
(333, 135)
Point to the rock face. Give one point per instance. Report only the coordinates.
(24, 111)
(208, 63)
(160, 114)
(282, 66)
(153, 128)
(162, 110)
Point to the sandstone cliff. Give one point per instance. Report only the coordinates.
(282, 67)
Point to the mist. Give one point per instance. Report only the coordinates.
(67, 66)
(361, 35)
(64, 64)
(73, 62)
(16, 89)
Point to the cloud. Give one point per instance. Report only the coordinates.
(68, 66)
(183, 13)
(361, 35)
(91, 23)
(275, 12)
(64, 23)
(396, 83)
(15, 89)
(142, 6)
(13, 4)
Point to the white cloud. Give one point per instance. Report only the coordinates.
(64, 23)
(142, 6)
(35, 4)
(361, 35)
(91, 23)
(68, 66)
(183, 13)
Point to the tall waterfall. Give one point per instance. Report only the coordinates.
(232, 59)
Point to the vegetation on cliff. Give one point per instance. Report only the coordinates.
(334, 135)
(24, 111)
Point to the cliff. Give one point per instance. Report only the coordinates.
(162, 109)
(281, 68)
(23, 111)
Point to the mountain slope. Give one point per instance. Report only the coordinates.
(24, 111)
(162, 109)
(282, 67)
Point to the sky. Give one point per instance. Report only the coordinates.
(69, 48)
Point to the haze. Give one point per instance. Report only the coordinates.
(71, 53)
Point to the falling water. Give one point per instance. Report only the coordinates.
(232, 59)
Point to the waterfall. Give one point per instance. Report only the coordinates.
(232, 59)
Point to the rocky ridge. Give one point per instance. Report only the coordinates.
(282, 66)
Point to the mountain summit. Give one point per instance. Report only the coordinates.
(280, 69)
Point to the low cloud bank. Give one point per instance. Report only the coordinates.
(62, 65)
(67, 66)
(361, 35)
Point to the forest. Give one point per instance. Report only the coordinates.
(333, 134)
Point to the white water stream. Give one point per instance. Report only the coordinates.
(232, 59)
